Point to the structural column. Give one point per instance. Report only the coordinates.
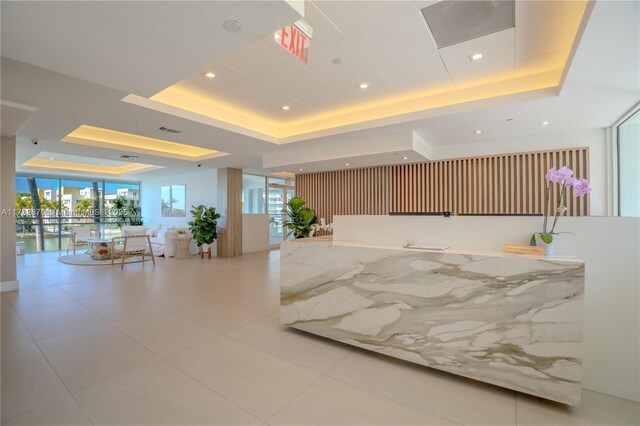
(8, 278)
(230, 207)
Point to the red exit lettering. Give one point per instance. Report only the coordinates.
(293, 40)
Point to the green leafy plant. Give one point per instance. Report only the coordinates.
(204, 226)
(126, 212)
(300, 218)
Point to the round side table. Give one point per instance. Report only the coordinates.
(182, 246)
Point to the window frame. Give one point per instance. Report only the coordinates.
(614, 200)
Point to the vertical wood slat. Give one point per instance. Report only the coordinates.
(509, 183)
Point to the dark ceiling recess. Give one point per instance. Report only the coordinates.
(169, 130)
(453, 22)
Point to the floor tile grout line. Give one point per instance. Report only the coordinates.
(393, 400)
(156, 357)
(273, 354)
(57, 375)
(214, 391)
(294, 398)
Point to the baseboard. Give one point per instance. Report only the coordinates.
(9, 285)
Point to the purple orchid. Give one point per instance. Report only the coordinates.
(564, 177)
(581, 187)
(550, 176)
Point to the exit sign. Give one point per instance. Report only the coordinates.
(296, 39)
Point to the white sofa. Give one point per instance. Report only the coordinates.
(162, 240)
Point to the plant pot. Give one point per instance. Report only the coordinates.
(548, 248)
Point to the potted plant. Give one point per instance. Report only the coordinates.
(204, 227)
(300, 218)
(564, 178)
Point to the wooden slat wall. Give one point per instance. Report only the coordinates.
(510, 183)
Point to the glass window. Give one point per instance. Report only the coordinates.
(37, 213)
(629, 166)
(65, 204)
(253, 194)
(113, 190)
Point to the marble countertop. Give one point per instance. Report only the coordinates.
(329, 241)
(508, 319)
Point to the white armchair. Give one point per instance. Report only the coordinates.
(135, 242)
(79, 235)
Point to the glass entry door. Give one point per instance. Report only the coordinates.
(281, 190)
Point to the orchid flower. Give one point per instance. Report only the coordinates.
(564, 177)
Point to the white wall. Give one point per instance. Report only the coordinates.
(595, 139)
(8, 279)
(201, 188)
(609, 246)
(255, 233)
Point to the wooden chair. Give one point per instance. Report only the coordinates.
(79, 235)
(131, 246)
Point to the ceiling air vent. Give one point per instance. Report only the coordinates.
(129, 157)
(453, 22)
(169, 130)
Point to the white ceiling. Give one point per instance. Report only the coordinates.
(139, 47)
(388, 45)
(601, 85)
(44, 155)
(13, 116)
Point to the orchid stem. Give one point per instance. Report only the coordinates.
(560, 201)
(546, 210)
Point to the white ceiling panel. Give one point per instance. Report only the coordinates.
(532, 65)
(529, 11)
(257, 57)
(288, 77)
(423, 71)
(498, 61)
(378, 85)
(268, 102)
(351, 17)
(225, 79)
(321, 96)
(324, 32)
(547, 35)
(352, 57)
(395, 40)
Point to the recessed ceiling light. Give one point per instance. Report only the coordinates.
(300, 170)
(405, 158)
(101, 164)
(544, 123)
(477, 132)
(51, 158)
(210, 75)
(337, 61)
(232, 26)
(363, 85)
(346, 164)
(476, 56)
(285, 107)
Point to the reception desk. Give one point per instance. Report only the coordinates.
(510, 320)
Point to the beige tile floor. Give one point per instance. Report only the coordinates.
(198, 342)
